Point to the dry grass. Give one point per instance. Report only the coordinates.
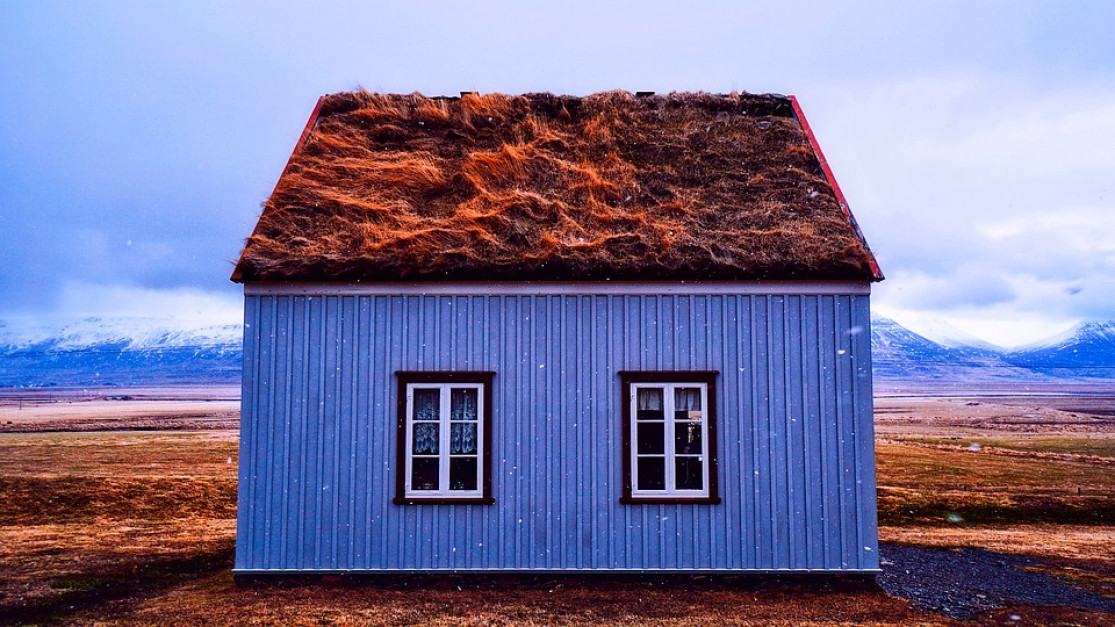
(69, 477)
(924, 485)
(1017, 460)
(1003, 474)
(1080, 546)
(1081, 448)
(495, 187)
(41, 500)
(557, 602)
(87, 519)
(134, 454)
(156, 553)
(49, 565)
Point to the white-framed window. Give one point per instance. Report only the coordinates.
(444, 437)
(669, 437)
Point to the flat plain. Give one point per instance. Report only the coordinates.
(118, 508)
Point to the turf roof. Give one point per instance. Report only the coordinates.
(685, 186)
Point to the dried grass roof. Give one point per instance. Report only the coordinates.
(686, 186)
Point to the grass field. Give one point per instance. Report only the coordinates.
(1077, 447)
(137, 527)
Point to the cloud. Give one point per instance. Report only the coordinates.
(1066, 244)
(967, 288)
(186, 304)
(972, 139)
(996, 325)
(985, 198)
(1051, 135)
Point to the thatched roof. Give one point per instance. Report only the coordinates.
(543, 187)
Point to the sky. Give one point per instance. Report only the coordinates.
(973, 141)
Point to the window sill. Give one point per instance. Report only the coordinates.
(670, 500)
(443, 500)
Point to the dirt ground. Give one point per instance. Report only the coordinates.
(117, 523)
(164, 409)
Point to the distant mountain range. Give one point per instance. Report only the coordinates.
(118, 352)
(1087, 351)
(142, 351)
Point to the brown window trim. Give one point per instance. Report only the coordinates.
(708, 377)
(406, 377)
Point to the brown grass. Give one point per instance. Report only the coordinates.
(131, 544)
(1085, 546)
(556, 602)
(69, 477)
(495, 187)
(46, 563)
(944, 486)
(116, 528)
(119, 454)
(1090, 449)
(1024, 460)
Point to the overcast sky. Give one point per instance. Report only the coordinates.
(975, 141)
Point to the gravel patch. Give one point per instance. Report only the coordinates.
(962, 583)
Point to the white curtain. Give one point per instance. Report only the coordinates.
(687, 399)
(650, 399)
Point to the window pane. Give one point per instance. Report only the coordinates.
(652, 438)
(688, 473)
(463, 404)
(424, 473)
(462, 438)
(649, 402)
(687, 438)
(652, 473)
(462, 473)
(687, 403)
(426, 437)
(427, 404)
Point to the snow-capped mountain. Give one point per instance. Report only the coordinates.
(134, 334)
(891, 341)
(148, 351)
(947, 335)
(117, 351)
(1088, 351)
(1088, 345)
(899, 353)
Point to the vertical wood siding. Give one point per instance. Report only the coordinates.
(797, 465)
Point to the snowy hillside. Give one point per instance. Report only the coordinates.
(117, 351)
(134, 351)
(948, 335)
(1088, 345)
(1087, 351)
(127, 333)
(899, 353)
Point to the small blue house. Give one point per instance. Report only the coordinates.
(552, 333)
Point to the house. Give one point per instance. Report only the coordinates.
(554, 333)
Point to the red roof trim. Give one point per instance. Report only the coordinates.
(876, 272)
(302, 139)
(305, 137)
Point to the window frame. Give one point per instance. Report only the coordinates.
(408, 379)
(629, 379)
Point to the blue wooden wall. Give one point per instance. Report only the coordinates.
(317, 449)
